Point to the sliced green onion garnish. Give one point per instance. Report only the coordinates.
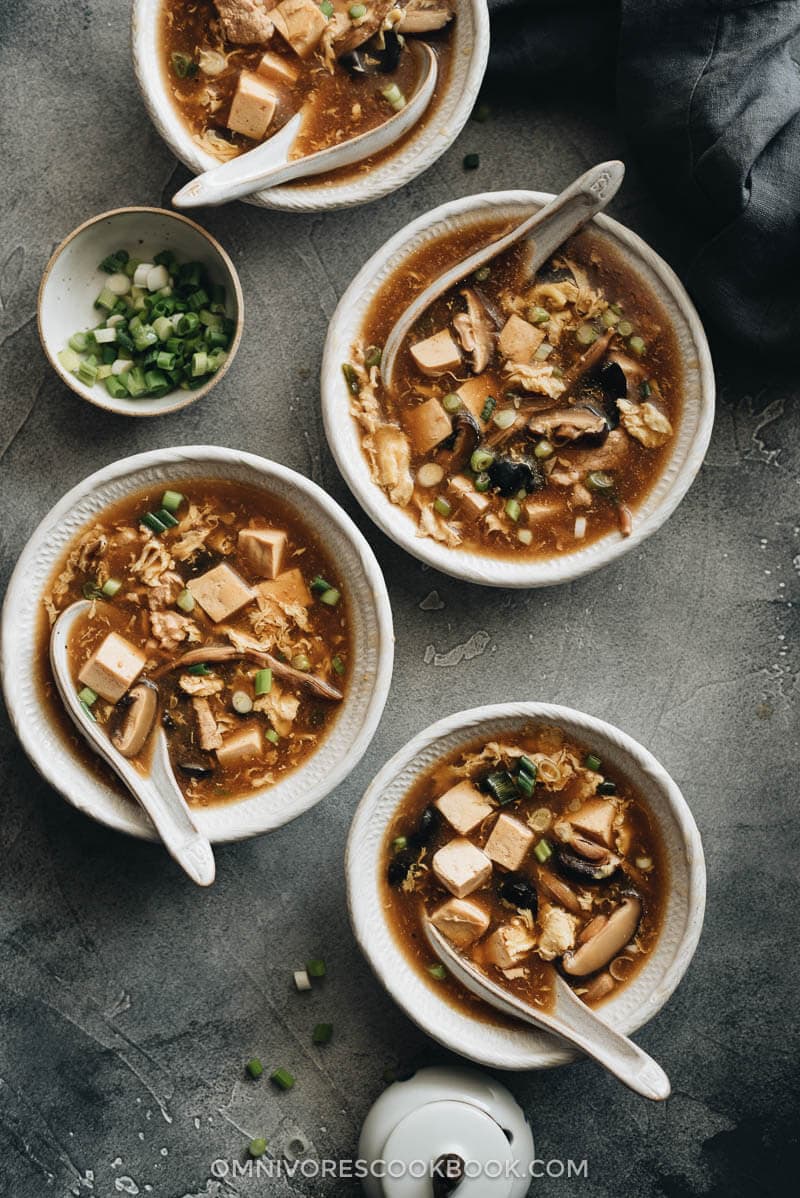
(399, 843)
(315, 968)
(543, 352)
(527, 766)
(441, 506)
(262, 683)
(200, 669)
(483, 274)
(330, 597)
(185, 601)
(338, 665)
(183, 66)
(543, 449)
(166, 518)
(301, 661)
(319, 584)
(111, 587)
(526, 783)
(88, 711)
(606, 787)
(501, 786)
(272, 736)
(624, 328)
(257, 1147)
(322, 1033)
(90, 590)
(513, 509)
(481, 460)
(394, 97)
(437, 971)
(357, 11)
(505, 418)
(351, 378)
(452, 403)
(326, 7)
(254, 1067)
(373, 355)
(592, 762)
(637, 345)
(542, 851)
(488, 408)
(282, 1078)
(538, 315)
(482, 482)
(600, 482)
(645, 389)
(87, 696)
(587, 334)
(151, 521)
(241, 702)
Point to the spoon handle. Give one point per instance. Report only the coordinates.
(615, 1052)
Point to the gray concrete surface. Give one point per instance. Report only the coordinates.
(129, 1001)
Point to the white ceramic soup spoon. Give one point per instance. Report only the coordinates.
(570, 1019)
(545, 231)
(270, 163)
(154, 788)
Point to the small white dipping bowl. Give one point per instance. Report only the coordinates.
(688, 448)
(419, 151)
(370, 618)
(72, 282)
(522, 1047)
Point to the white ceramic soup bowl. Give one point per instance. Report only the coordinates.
(523, 1047)
(689, 444)
(72, 281)
(421, 149)
(370, 624)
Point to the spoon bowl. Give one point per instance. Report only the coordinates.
(570, 1019)
(154, 789)
(271, 163)
(543, 232)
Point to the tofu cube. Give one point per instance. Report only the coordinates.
(461, 921)
(596, 819)
(263, 549)
(301, 23)
(509, 842)
(474, 501)
(241, 745)
(220, 592)
(519, 339)
(113, 667)
(252, 107)
(474, 393)
(464, 807)
(428, 425)
(461, 866)
(437, 354)
(278, 69)
(289, 587)
(509, 943)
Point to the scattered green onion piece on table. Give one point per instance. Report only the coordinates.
(262, 683)
(322, 1033)
(316, 967)
(257, 1147)
(87, 696)
(442, 507)
(542, 852)
(438, 971)
(282, 1078)
(254, 1067)
(111, 587)
(592, 762)
(185, 601)
(199, 670)
(471, 162)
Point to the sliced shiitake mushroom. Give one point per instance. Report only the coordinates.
(465, 440)
(596, 952)
(598, 988)
(138, 720)
(559, 892)
(194, 768)
(574, 866)
(583, 424)
(475, 332)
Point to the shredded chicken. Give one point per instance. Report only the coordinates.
(538, 378)
(280, 707)
(389, 454)
(645, 422)
(557, 932)
(152, 562)
(196, 684)
(170, 628)
(208, 734)
(431, 524)
(195, 528)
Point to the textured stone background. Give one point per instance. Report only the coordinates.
(130, 1000)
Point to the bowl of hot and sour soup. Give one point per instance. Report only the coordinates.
(220, 77)
(539, 426)
(238, 599)
(538, 840)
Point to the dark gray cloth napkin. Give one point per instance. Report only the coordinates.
(708, 92)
